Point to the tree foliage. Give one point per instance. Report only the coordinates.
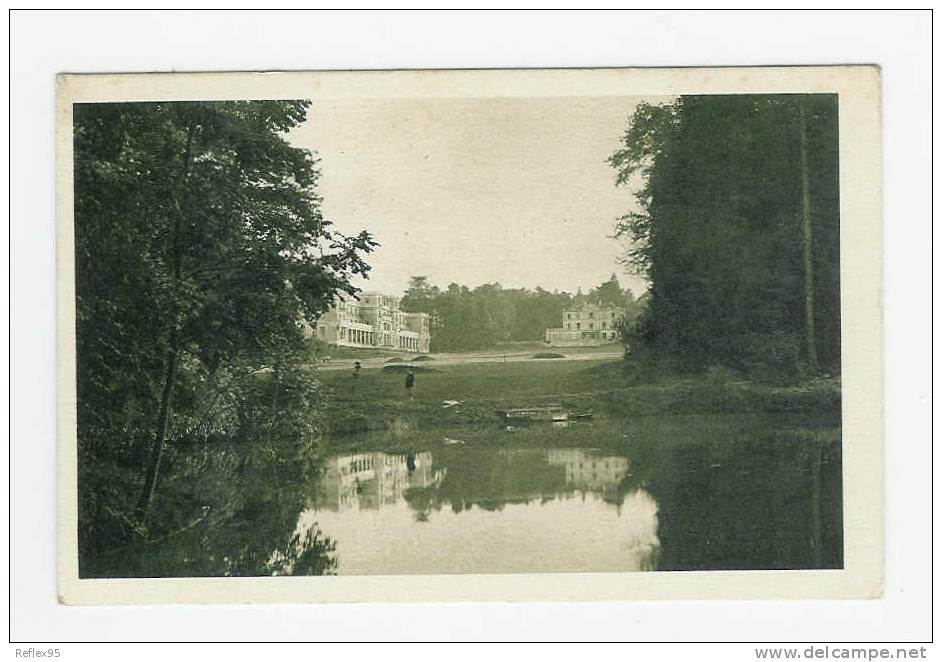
(199, 249)
(469, 319)
(716, 228)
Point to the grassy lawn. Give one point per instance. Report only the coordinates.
(377, 400)
(497, 382)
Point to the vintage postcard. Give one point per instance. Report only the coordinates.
(607, 334)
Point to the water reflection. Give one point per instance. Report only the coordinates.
(667, 493)
(370, 480)
(484, 510)
(224, 510)
(765, 502)
(586, 471)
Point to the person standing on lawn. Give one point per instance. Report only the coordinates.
(410, 384)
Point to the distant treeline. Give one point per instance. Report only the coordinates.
(737, 230)
(466, 319)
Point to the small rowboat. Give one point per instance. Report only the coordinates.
(552, 413)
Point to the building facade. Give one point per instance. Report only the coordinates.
(588, 471)
(590, 325)
(375, 321)
(369, 481)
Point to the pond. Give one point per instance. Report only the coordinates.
(485, 510)
(758, 497)
(698, 492)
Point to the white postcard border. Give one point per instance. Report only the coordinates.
(858, 88)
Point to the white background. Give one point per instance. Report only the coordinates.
(44, 44)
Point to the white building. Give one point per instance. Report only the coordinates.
(592, 324)
(367, 481)
(589, 471)
(374, 321)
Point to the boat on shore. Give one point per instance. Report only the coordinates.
(547, 413)
(544, 414)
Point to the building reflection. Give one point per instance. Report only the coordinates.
(759, 500)
(485, 509)
(373, 480)
(588, 471)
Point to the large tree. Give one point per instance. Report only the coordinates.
(200, 250)
(736, 226)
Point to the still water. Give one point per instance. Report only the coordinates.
(490, 510)
(699, 494)
(716, 492)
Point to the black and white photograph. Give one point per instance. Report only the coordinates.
(458, 334)
(336, 329)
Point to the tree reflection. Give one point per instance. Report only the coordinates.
(229, 509)
(422, 500)
(490, 479)
(769, 500)
(731, 493)
(487, 479)
(305, 554)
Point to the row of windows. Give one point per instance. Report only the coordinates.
(357, 465)
(368, 337)
(591, 325)
(605, 335)
(356, 335)
(590, 315)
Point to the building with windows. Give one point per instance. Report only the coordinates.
(369, 481)
(375, 321)
(588, 470)
(592, 324)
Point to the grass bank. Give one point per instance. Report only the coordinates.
(377, 399)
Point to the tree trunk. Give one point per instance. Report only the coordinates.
(163, 418)
(811, 348)
(170, 369)
(817, 552)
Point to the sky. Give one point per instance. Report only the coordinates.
(476, 190)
